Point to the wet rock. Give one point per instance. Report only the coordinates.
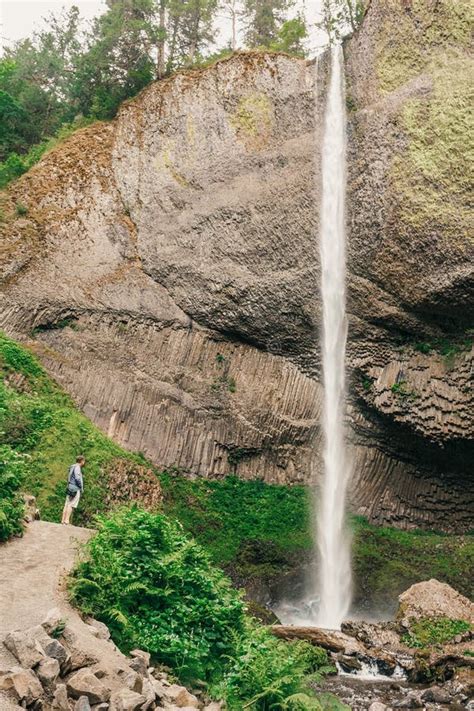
(25, 648)
(434, 599)
(48, 672)
(371, 634)
(126, 700)
(349, 664)
(85, 683)
(436, 695)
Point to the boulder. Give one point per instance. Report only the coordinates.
(436, 695)
(60, 702)
(139, 665)
(98, 629)
(434, 599)
(149, 693)
(85, 683)
(48, 672)
(181, 697)
(58, 651)
(377, 706)
(26, 685)
(133, 681)
(82, 704)
(79, 657)
(100, 707)
(126, 700)
(143, 655)
(53, 621)
(25, 648)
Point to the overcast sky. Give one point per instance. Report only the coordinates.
(19, 18)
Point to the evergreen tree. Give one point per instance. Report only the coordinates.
(264, 18)
(121, 57)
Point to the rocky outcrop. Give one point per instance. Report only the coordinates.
(433, 599)
(166, 271)
(111, 682)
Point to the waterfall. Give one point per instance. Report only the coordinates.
(332, 536)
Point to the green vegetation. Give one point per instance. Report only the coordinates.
(444, 346)
(432, 176)
(387, 561)
(12, 475)
(69, 72)
(224, 516)
(255, 531)
(400, 388)
(41, 425)
(429, 631)
(156, 589)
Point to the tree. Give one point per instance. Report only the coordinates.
(291, 36)
(263, 19)
(119, 60)
(232, 10)
(339, 18)
(190, 30)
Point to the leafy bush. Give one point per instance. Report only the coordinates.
(268, 673)
(13, 467)
(433, 630)
(156, 589)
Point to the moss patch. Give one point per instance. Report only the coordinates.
(413, 32)
(433, 176)
(252, 120)
(429, 631)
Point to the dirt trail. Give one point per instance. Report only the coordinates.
(32, 570)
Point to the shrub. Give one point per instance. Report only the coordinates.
(268, 673)
(156, 589)
(13, 468)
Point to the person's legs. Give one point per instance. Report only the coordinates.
(67, 510)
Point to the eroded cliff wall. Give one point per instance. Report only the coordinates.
(177, 248)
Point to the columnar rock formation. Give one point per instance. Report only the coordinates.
(166, 271)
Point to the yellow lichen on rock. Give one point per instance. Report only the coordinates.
(252, 121)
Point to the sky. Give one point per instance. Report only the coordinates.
(19, 18)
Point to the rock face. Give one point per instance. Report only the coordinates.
(167, 273)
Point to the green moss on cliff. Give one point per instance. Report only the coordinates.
(252, 120)
(433, 176)
(415, 32)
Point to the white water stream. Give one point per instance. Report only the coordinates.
(332, 536)
(328, 595)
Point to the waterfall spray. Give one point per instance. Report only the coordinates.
(333, 539)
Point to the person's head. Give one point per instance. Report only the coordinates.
(80, 460)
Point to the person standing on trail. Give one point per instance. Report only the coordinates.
(75, 487)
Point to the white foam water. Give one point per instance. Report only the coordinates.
(332, 536)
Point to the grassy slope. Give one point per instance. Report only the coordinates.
(255, 530)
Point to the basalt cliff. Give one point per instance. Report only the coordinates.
(165, 267)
